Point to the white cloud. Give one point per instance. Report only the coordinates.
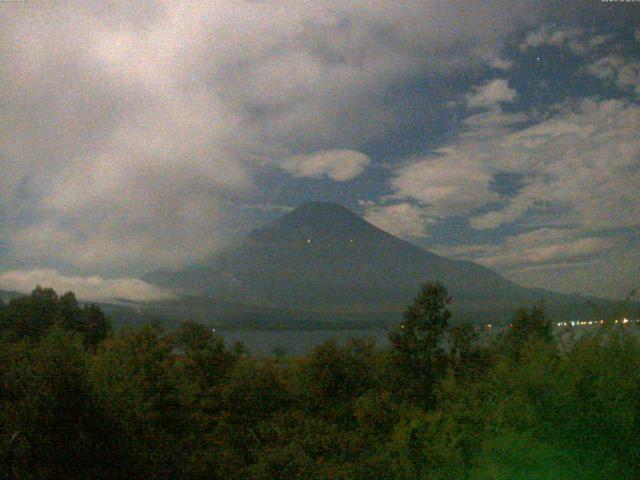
(125, 129)
(600, 266)
(571, 38)
(624, 72)
(599, 40)
(492, 93)
(541, 247)
(563, 258)
(510, 213)
(451, 183)
(86, 288)
(583, 162)
(612, 275)
(339, 165)
(402, 219)
(545, 246)
(579, 166)
(455, 180)
(500, 63)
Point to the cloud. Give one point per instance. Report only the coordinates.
(547, 247)
(581, 163)
(578, 165)
(402, 219)
(580, 41)
(501, 63)
(624, 72)
(550, 251)
(450, 183)
(599, 40)
(571, 38)
(455, 180)
(339, 165)
(128, 130)
(563, 258)
(541, 247)
(492, 93)
(612, 275)
(86, 288)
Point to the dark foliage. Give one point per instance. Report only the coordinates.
(417, 345)
(32, 316)
(442, 403)
(526, 327)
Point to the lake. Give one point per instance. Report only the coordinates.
(295, 342)
(300, 342)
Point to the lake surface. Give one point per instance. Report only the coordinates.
(296, 342)
(263, 343)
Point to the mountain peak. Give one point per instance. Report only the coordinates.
(314, 219)
(321, 211)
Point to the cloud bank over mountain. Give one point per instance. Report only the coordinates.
(96, 289)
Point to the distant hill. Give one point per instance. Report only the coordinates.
(120, 313)
(7, 295)
(323, 262)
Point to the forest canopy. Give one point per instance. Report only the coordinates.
(78, 401)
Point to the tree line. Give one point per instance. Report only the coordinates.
(78, 401)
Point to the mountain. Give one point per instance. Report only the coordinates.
(322, 261)
(6, 295)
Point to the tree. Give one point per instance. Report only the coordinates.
(331, 376)
(132, 375)
(51, 424)
(94, 326)
(467, 358)
(527, 326)
(417, 343)
(424, 445)
(68, 312)
(32, 316)
(463, 340)
(206, 358)
(3, 316)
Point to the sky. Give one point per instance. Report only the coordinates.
(138, 136)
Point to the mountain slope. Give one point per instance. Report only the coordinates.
(6, 295)
(323, 259)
